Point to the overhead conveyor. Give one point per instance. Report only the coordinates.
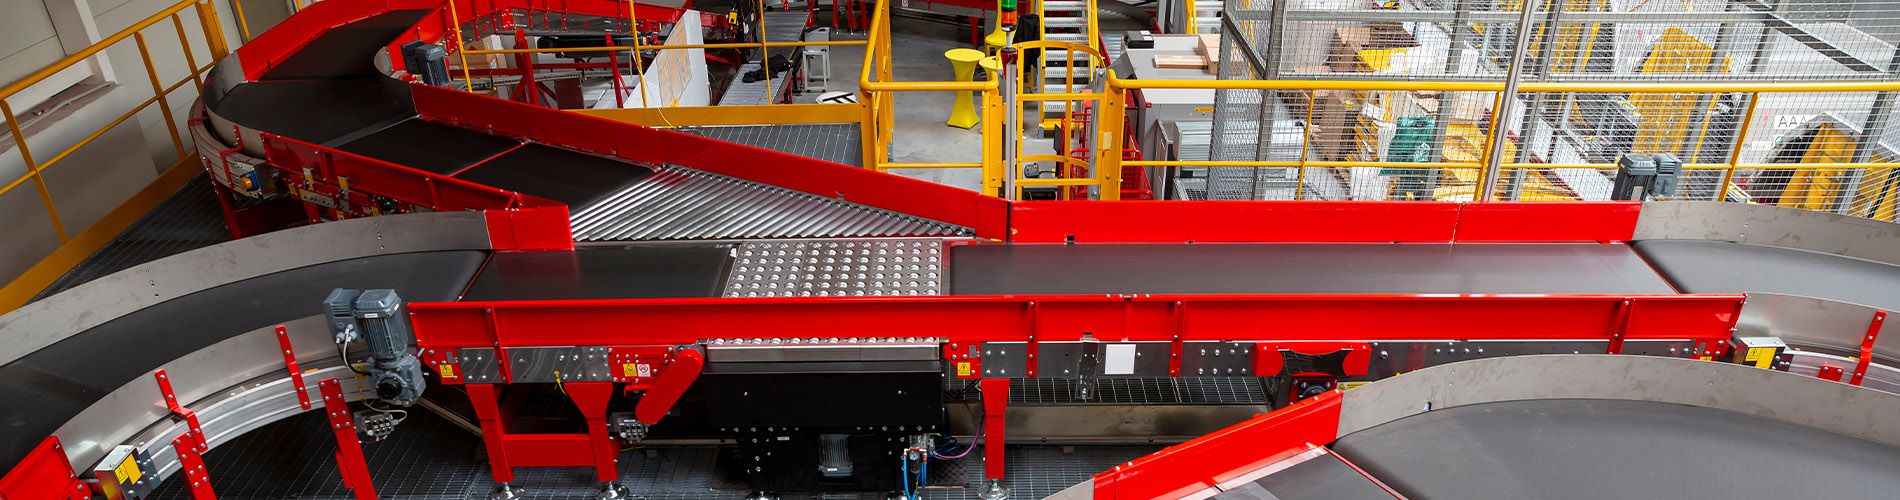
(653, 287)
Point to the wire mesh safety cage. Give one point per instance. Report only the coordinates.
(1558, 145)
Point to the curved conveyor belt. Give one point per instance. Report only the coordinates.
(87, 351)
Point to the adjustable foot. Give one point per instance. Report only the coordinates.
(504, 491)
(760, 495)
(995, 491)
(613, 490)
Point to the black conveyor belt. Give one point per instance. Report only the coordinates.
(45, 389)
(345, 51)
(1702, 266)
(1597, 449)
(630, 273)
(576, 179)
(315, 111)
(430, 146)
(1301, 268)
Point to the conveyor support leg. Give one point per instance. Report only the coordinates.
(349, 450)
(488, 411)
(995, 402)
(591, 398)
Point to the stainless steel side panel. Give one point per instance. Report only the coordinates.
(1769, 225)
(55, 318)
(1796, 399)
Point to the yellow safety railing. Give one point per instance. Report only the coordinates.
(76, 243)
(1110, 165)
(877, 90)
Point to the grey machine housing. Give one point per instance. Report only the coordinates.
(378, 318)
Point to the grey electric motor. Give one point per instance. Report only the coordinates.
(379, 319)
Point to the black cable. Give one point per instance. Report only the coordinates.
(342, 351)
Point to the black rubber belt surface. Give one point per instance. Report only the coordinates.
(429, 146)
(574, 178)
(652, 272)
(48, 387)
(347, 51)
(1301, 268)
(1598, 449)
(1698, 266)
(315, 111)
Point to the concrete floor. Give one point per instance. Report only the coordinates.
(920, 134)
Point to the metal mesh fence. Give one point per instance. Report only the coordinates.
(1370, 145)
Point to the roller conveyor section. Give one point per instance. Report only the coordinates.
(1302, 268)
(679, 203)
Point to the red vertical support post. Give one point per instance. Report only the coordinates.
(530, 91)
(613, 59)
(193, 432)
(349, 451)
(591, 398)
(1619, 327)
(995, 402)
(290, 362)
(1867, 347)
(488, 411)
(197, 480)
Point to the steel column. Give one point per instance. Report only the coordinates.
(1506, 100)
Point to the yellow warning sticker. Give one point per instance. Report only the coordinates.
(1208, 109)
(629, 370)
(1762, 356)
(128, 471)
(1347, 386)
(448, 370)
(963, 369)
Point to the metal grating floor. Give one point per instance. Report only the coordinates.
(833, 142)
(188, 220)
(428, 458)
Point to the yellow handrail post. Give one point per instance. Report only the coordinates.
(640, 63)
(158, 92)
(1306, 140)
(214, 31)
(992, 161)
(32, 169)
(184, 44)
(244, 27)
(1193, 17)
(1108, 142)
(1735, 148)
(1479, 191)
(461, 45)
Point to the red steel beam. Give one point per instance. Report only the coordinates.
(1319, 222)
(44, 474)
(1866, 357)
(1224, 454)
(978, 318)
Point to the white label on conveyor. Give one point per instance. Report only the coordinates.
(1120, 360)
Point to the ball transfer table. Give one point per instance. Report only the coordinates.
(487, 298)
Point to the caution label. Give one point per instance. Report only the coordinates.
(448, 370)
(128, 471)
(1763, 357)
(963, 369)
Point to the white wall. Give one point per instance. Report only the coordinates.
(61, 111)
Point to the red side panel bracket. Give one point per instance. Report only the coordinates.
(1224, 454)
(196, 434)
(670, 385)
(349, 450)
(290, 362)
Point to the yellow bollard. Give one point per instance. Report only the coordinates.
(963, 62)
(997, 39)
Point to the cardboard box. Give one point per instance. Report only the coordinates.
(1209, 48)
(1180, 61)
